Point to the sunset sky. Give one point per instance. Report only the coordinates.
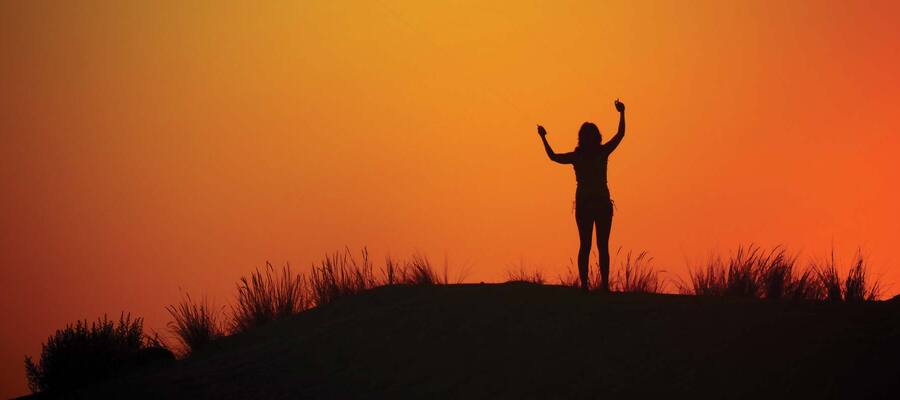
(149, 149)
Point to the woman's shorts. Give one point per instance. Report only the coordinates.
(594, 207)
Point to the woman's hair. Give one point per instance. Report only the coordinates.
(589, 138)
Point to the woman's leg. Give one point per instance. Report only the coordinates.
(585, 223)
(604, 226)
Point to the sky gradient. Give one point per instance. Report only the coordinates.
(158, 147)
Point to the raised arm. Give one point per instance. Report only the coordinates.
(565, 158)
(614, 142)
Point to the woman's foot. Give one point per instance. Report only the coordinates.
(604, 287)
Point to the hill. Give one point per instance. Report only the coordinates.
(527, 341)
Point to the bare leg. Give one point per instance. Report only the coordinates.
(604, 226)
(585, 226)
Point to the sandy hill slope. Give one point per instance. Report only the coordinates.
(527, 341)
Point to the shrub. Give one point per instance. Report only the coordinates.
(195, 325)
(84, 353)
(265, 297)
(635, 274)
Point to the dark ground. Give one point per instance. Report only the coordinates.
(522, 341)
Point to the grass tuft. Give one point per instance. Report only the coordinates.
(742, 277)
(828, 279)
(572, 279)
(420, 272)
(635, 274)
(266, 296)
(521, 273)
(340, 274)
(776, 273)
(706, 281)
(752, 272)
(858, 287)
(195, 325)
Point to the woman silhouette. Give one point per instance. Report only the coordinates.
(593, 206)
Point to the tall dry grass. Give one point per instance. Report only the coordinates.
(266, 296)
(522, 273)
(572, 279)
(633, 273)
(859, 286)
(856, 287)
(753, 272)
(419, 271)
(340, 274)
(195, 325)
(708, 280)
(636, 274)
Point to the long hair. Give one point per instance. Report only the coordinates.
(589, 138)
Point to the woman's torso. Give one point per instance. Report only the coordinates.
(590, 175)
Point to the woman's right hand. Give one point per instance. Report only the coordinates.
(620, 107)
(541, 131)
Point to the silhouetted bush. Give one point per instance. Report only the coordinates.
(195, 324)
(265, 297)
(82, 354)
(635, 274)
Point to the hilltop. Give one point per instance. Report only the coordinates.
(520, 340)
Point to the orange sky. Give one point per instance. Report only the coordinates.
(147, 148)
